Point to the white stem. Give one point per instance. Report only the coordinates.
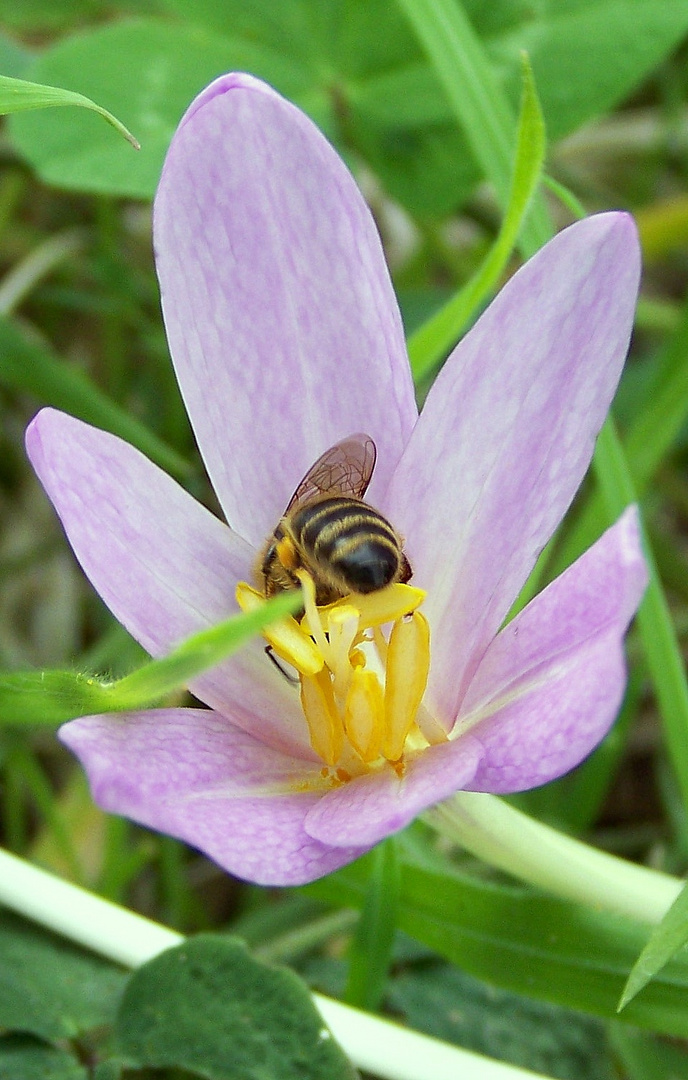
(505, 838)
(378, 1046)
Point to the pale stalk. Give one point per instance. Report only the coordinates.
(375, 1045)
(507, 839)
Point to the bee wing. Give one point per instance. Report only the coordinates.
(344, 469)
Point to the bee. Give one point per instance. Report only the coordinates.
(345, 545)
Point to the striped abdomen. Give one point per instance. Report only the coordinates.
(347, 546)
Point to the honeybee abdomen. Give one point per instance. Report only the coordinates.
(351, 541)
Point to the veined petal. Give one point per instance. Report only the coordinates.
(190, 773)
(551, 682)
(377, 804)
(506, 435)
(163, 564)
(281, 318)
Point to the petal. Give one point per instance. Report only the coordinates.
(552, 681)
(281, 318)
(163, 564)
(190, 773)
(373, 806)
(506, 435)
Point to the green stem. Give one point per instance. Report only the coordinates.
(505, 838)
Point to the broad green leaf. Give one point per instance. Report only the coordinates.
(208, 1007)
(587, 55)
(24, 1058)
(370, 952)
(524, 941)
(433, 340)
(148, 72)
(28, 365)
(665, 941)
(17, 95)
(443, 1001)
(52, 697)
(50, 988)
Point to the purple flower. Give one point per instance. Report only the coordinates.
(286, 338)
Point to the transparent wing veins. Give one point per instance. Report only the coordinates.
(344, 469)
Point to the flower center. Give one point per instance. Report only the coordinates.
(361, 687)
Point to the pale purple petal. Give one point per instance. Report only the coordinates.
(191, 774)
(281, 318)
(164, 565)
(554, 678)
(371, 807)
(506, 435)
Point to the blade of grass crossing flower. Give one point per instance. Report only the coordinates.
(433, 340)
(480, 105)
(199, 652)
(661, 647)
(370, 953)
(52, 697)
(664, 942)
(17, 95)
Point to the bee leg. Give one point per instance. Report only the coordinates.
(270, 652)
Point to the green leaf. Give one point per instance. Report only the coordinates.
(665, 941)
(433, 340)
(50, 988)
(207, 1006)
(24, 1058)
(370, 952)
(148, 72)
(26, 364)
(587, 55)
(16, 95)
(524, 941)
(52, 697)
(450, 1005)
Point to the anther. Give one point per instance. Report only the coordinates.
(408, 664)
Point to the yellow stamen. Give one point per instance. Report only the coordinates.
(322, 717)
(384, 606)
(408, 664)
(364, 714)
(286, 637)
(342, 627)
(361, 687)
(311, 623)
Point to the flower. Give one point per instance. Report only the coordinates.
(286, 338)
